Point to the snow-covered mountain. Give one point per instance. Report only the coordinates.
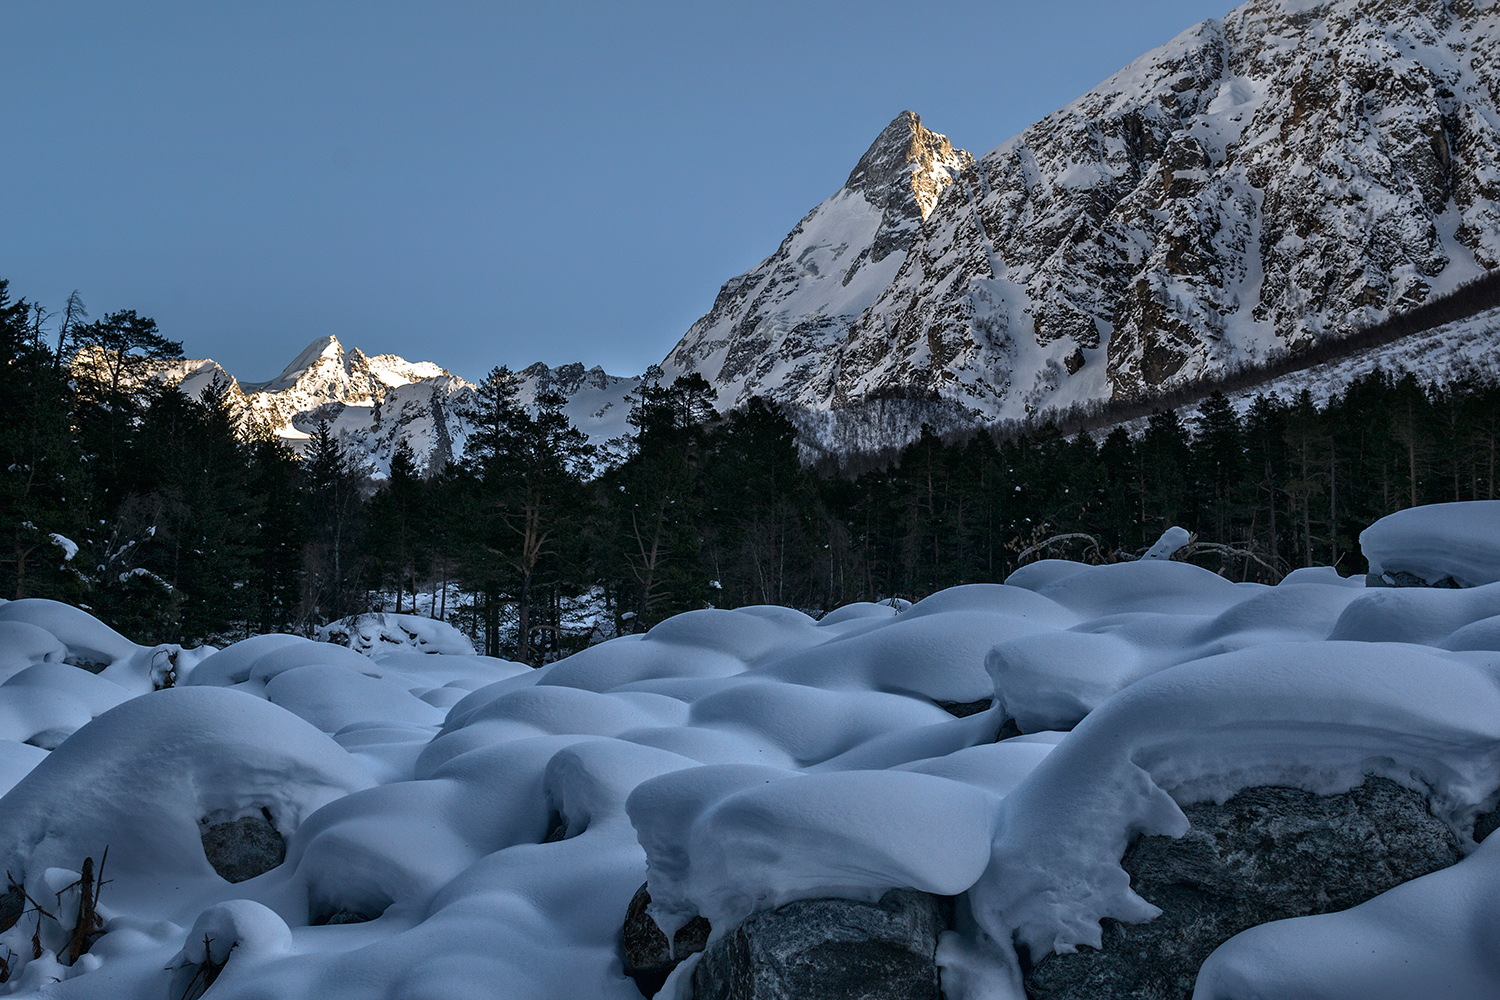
(375, 403)
(1287, 173)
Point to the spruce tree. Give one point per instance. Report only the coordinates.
(44, 483)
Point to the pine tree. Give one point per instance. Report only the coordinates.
(1218, 460)
(111, 360)
(275, 579)
(398, 527)
(44, 486)
(333, 557)
(526, 473)
(654, 502)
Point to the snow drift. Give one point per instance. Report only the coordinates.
(456, 824)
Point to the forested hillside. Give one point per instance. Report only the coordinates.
(168, 519)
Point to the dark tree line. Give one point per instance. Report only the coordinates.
(169, 519)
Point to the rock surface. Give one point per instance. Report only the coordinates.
(1266, 854)
(1401, 578)
(647, 958)
(964, 709)
(830, 949)
(243, 848)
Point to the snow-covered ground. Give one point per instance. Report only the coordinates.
(492, 822)
(1466, 349)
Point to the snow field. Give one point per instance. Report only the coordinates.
(459, 825)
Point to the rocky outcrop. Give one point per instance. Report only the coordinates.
(1265, 854)
(1401, 578)
(830, 949)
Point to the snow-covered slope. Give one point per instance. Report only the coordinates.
(375, 403)
(1286, 173)
(1469, 348)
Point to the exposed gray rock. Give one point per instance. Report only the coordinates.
(12, 905)
(243, 848)
(830, 949)
(1401, 578)
(1266, 854)
(648, 960)
(343, 917)
(1486, 824)
(964, 709)
(1008, 729)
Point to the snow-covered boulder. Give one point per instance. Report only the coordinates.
(141, 778)
(375, 634)
(1440, 545)
(240, 929)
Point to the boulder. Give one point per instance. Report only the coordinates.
(647, 958)
(1484, 825)
(12, 905)
(1401, 578)
(1265, 854)
(830, 949)
(243, 848)
(964, 709)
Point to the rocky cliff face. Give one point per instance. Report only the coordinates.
(1284, 174)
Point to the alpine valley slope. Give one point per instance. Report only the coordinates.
(1290, 172)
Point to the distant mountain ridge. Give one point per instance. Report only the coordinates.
(373, 403)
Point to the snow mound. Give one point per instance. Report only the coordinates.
(1448, 541)
(141, 778)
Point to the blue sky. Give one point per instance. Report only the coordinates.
(481, 183)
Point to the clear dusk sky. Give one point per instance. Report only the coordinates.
(481, 183)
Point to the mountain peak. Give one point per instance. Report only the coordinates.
(323, 347)
(902, 159)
